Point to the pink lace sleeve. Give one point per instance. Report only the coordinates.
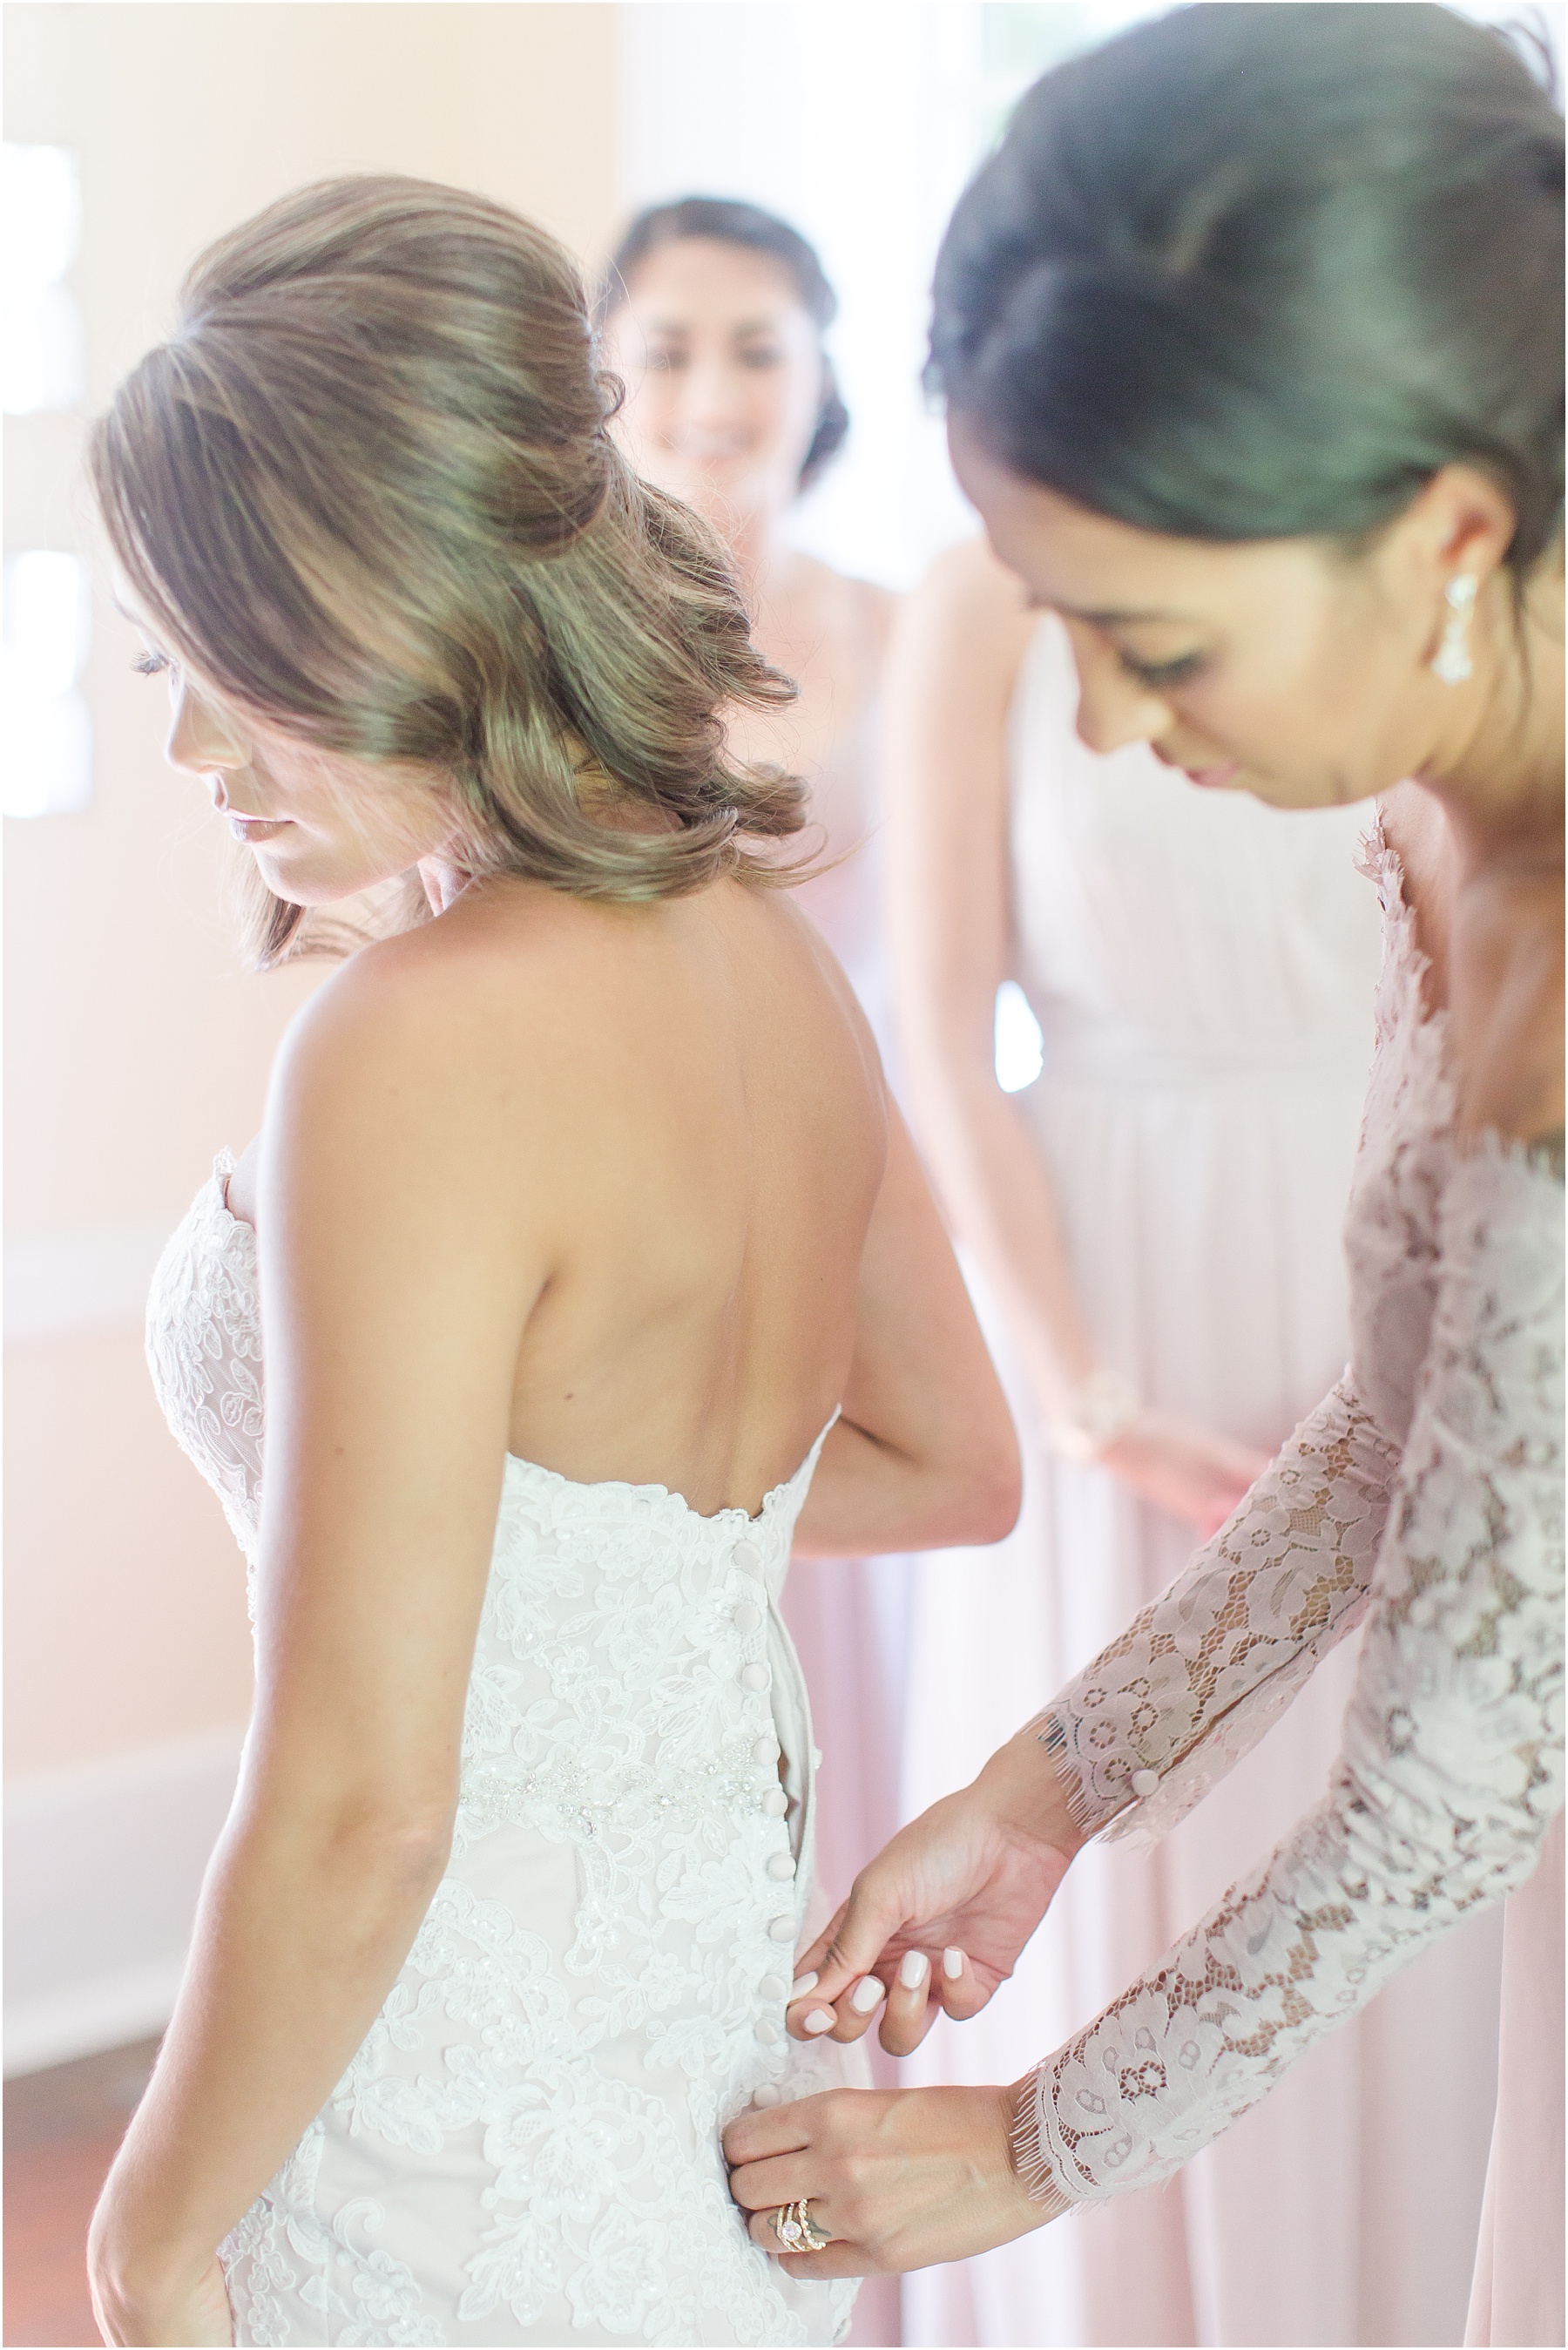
(1451, 1768)
(1193, 1682)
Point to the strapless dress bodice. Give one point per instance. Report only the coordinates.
(525, 2149)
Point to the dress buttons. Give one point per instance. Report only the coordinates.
(755, 1677)
(772, 1987)
(745, 1557)
(1146, 1782)
(767, 2030)
(780, 1864)
(747, 1617)
(768, 2096)
(782, 1929)
(775, 1803)
(766, 1749)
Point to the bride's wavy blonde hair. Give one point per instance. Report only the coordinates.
(367, 490)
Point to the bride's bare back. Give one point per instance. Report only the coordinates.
(711, 1203)
(654, 1149)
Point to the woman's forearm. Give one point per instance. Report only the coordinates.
(1200, 1676)
(302, 1924)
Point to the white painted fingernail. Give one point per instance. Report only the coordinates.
(801, 1985)
(821, 2019)
(913, 1969)
(952, 1964)
(865, 1994)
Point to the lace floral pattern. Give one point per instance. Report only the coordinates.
(525, 2148)
(1194, 1683)
(1442, 1455)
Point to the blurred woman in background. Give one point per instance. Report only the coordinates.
(714, 314)
(1157, 1218)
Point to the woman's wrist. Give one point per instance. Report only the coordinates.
(1087, 1417)
(138, 2265)
(1031, 2165)
(1023, 1793)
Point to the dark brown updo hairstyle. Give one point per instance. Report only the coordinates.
(723, 221)
(1254, 272)
(367, 491)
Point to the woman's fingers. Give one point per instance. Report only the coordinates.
(960, 1991)
(840, 2260)
(842, 1958)
(761, 2229)
(810, 1961)
(911, 2010)
(848, 2020)
(914, 1991)
(764, 2131)
(781, 2178)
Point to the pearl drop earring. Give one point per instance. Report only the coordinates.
(1451, 660)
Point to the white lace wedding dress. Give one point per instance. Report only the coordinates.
(1424, 1495)
(525, 2149)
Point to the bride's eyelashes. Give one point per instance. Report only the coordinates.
(150, 664)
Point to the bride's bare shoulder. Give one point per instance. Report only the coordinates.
(513, 979)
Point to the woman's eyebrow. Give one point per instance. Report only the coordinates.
(1122, 619)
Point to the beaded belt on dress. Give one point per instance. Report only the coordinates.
(560, 1792)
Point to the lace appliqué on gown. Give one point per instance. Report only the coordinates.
(1451, 1766)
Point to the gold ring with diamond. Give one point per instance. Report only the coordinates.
(795, 2229)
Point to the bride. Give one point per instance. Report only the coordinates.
(594, 1268)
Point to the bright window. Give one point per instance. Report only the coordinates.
(41, 323)
(46, 734)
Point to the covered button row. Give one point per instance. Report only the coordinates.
(769, 2030)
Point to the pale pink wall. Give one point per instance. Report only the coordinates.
(135, 1043)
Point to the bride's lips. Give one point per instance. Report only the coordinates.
(254, 828)
(1213, 779)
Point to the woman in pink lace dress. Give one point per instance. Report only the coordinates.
(1252, 340)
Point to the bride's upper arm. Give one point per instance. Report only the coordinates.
(403, 1240)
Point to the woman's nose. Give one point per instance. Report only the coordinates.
(713, 393)
(1114, 710)
(201, 740)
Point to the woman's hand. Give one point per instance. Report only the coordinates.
(938, 1917)
(898, 2181)
(192, 2313)
(1191, 1471)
